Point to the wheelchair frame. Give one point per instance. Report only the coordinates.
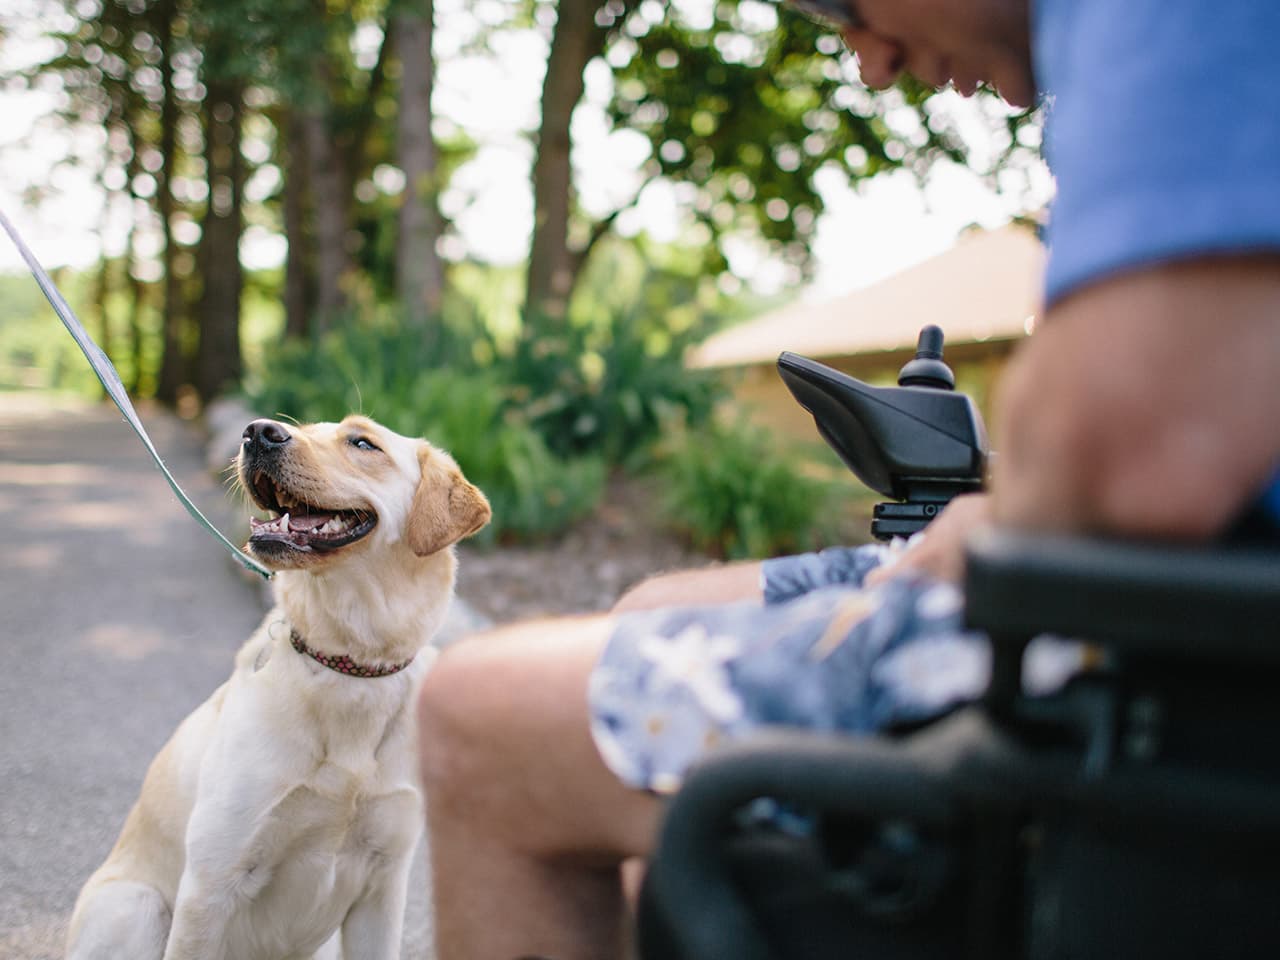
(1134, 813)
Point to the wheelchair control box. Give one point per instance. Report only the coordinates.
(920, 443)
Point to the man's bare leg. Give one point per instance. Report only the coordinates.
(527, 826)
(722, 583)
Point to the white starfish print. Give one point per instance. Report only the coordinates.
(695, 660)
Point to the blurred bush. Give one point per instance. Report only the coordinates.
(735, 493)
(606, 388)
(431, 389)
(35, 350)
(533, 421)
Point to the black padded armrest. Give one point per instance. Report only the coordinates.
(690, 891)
(1215, 603)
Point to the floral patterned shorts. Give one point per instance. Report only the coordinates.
(822, 653)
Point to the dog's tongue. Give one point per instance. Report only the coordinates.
(309, 521)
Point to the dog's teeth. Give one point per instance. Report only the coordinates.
(285, 499)
(334, 525)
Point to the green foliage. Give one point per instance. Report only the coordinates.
(37, 353)
(35, 349)
(533, 491)
(429, 386)
(604, 378)
(534, 416)
(748, 113)
(734, 492)
(605, 388)
(275, 42)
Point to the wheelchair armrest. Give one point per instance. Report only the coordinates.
(690, 893)
(1217, 603)
(1103, 839)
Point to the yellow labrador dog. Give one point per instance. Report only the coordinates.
(286, 807)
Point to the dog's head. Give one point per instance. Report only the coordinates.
(336, 489)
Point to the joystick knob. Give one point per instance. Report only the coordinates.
(928, 368)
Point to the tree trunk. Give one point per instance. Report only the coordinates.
(553, 268)
(137, 300)
(360, 128)
(218, 359)
(115, 120)
(173, 366)
(330, 200)
(133, 380)
(299, 299)
(419, 276)
(101, 291)
(102, 284)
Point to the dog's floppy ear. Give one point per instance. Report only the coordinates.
(446, 507)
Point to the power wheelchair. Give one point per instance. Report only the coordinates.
(1135, 813)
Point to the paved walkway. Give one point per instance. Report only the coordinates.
(118, 615)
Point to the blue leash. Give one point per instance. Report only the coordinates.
(111, 381)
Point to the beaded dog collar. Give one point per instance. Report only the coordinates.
(345, 665)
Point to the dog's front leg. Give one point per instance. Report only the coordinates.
(232, 847)
(214, 886)
(373, 927)
(199, 925)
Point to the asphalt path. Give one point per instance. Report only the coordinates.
(118, 615)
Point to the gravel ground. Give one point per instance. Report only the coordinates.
(584, 570)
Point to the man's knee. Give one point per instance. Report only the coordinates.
(489, 702)
(726, 583)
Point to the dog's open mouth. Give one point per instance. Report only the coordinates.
(300, 525)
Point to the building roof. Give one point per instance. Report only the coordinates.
(986, 287)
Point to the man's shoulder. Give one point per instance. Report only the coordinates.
(1158, 132)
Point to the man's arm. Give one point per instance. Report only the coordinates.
(1147, 404)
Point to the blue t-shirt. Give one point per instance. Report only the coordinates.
(1162, 135)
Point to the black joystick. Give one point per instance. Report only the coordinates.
(919, 443)
(928, 368)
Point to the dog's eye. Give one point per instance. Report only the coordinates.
(363, 443)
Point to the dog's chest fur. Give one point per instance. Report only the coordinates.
(325, 761)
(314, 857)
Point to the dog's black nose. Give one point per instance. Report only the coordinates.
(266, 434)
